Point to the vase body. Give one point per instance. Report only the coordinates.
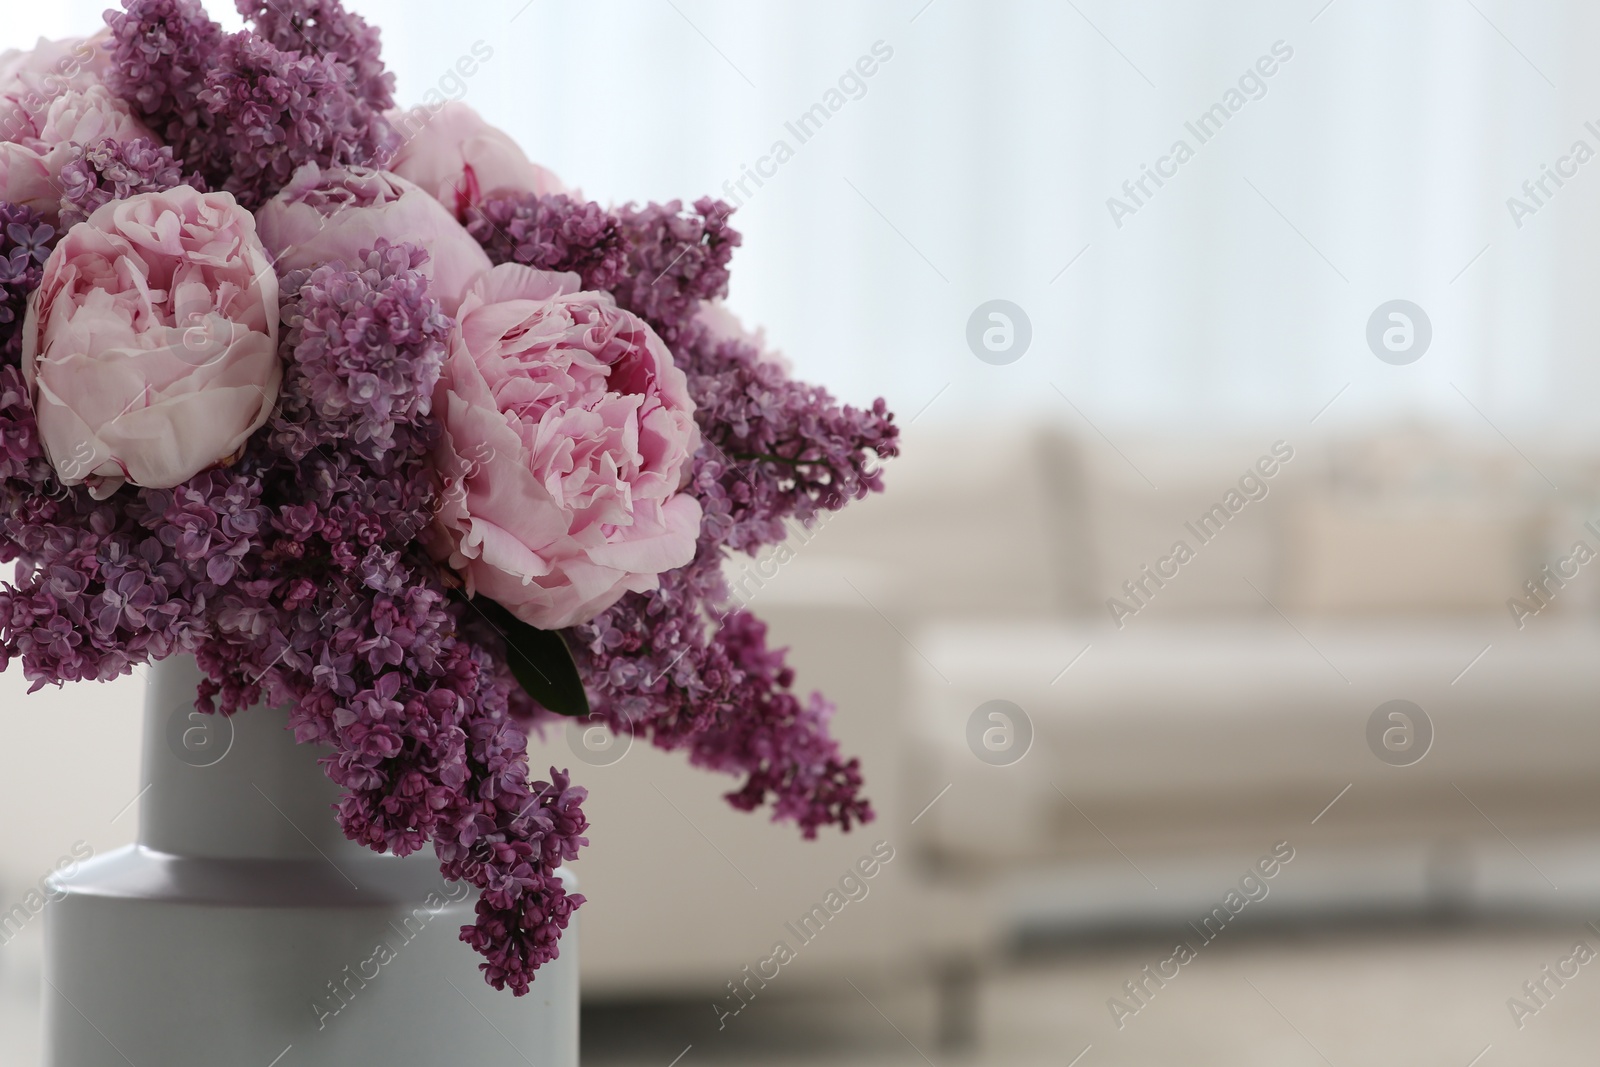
(244, 928)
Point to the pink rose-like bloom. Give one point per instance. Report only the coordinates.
(26, 179)
(31, 78)
(51, 98)
(30, 165)
(567, 436)
(459, 158)
(87, 115)
(150, 347)
(327, 215)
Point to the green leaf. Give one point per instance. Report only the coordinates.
(539, 660)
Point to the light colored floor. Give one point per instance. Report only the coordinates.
(1372, 997)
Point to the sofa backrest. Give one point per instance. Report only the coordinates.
(1024, 520)
(964, 527)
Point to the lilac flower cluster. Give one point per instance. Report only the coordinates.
(325, 28)
(552, 232)
(678, 667)
(361, 368)
(28, 504)
(241, 110)
(161, 51)
(25, 243)
(677, 259)
(115, 170)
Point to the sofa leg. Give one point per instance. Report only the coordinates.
(956, 986)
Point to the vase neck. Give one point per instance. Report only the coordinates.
(235, 787)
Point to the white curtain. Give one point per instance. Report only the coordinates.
(978, 163)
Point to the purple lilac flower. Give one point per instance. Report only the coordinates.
(241, 111)
(161, 52)
(28, 501)
(676, 260)
(273, 110)
(25, 243)
(552, 232)
(362, 363)
(110, 170)
(325, 28)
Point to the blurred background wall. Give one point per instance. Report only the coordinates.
(1080, 743)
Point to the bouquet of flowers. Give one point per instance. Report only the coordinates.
(383, 424)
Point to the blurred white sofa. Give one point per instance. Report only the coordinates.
(1227, 713)
(1184, 725)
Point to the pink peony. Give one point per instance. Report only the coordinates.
(86, 115)
(50, 99)
(30, 165)
(31, 78)
(26, 179)
(150, 346)
(326, 215)
(459, 158)
(567, 435)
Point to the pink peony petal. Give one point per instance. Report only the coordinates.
(155, 360)
(567, 435)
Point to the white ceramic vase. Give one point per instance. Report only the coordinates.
(243, 928)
